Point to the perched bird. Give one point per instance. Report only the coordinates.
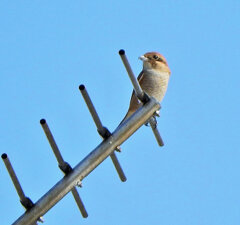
(153, 79)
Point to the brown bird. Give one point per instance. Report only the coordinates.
(153, 79)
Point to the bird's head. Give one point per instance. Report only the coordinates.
(155, 61)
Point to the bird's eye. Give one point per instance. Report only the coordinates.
(155, 57)
(160, 59)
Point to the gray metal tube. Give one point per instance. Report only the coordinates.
(13, 177)
(153, 124)
(118, 167)
(101, 130)
(91, 107)
(23, 198)
(62, 163)
(52, 142)
(89, 163)
(137, 87)
(79, 202)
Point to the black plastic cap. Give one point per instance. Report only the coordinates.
(121, 52)
(27, 203)
(145, 98)
(4, 156)
(42, 121)
(105, 133)
(81, 87)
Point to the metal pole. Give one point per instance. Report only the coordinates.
(79, 202)
(153, 124)
(103, 131)
(138, 90)
(13, 177)
(89, 163)
(118, 167)
(64, 166)
(25, 201)
(91, 107)
(52, 142)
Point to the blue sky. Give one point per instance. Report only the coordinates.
(49, 48)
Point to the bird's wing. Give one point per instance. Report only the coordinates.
(140, 76)
(134, 102)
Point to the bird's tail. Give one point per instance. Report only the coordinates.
(128, 114)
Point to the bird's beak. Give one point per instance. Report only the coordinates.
(143, 58)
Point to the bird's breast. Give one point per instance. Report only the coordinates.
(155, 84)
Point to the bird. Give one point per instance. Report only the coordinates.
(153, 80)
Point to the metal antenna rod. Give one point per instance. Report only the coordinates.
(103, 131)
(153, 124)
(64, 166)
(25, 201)
(13, 177)
(89, 163)
(138, 90)
(91, 108)
(142, 96)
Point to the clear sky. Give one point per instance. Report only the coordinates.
(48, 48)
